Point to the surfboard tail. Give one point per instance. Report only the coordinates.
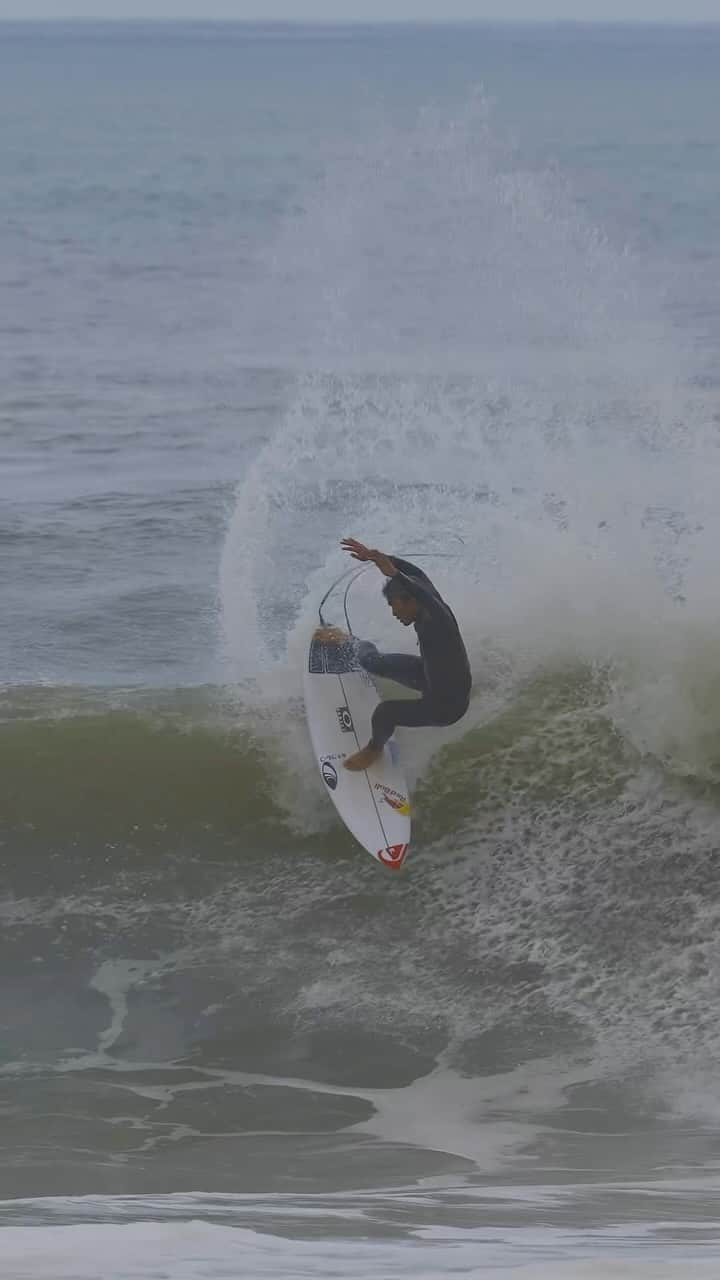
(393, 855)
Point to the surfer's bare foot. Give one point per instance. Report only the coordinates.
(331, 635)
(362, 759)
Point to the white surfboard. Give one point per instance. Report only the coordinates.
(340, 698)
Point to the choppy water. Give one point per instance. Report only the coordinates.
(454, 291)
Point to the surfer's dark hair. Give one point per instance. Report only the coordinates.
(395, 588)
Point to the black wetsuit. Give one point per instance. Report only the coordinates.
(441, 673)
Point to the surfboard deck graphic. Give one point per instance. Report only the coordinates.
(340, 698)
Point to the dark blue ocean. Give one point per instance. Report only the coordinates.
(456, 292)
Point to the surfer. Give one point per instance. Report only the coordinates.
(441, 674)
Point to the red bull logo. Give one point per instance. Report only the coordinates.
(396, 801)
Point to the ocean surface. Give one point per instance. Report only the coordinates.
(455, 292)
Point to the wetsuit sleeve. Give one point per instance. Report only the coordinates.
(407, 569)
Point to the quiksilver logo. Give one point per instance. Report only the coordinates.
(329, 773)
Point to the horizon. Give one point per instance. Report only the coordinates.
(203, 20)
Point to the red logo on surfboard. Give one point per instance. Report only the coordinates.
(395, 799)
(393, 855)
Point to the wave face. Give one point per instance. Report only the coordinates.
(205, 950)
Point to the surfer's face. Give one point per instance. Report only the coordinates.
(405, 609)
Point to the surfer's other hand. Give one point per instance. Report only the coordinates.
(358, 550)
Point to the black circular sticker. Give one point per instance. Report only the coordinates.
(346, 720)
(329, 773)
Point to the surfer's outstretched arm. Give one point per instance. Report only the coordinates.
(414, 582)
(359, 551)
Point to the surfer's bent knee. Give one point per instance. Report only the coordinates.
(451, 715)
(367, 654)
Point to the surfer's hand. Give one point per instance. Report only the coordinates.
(359, 551)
